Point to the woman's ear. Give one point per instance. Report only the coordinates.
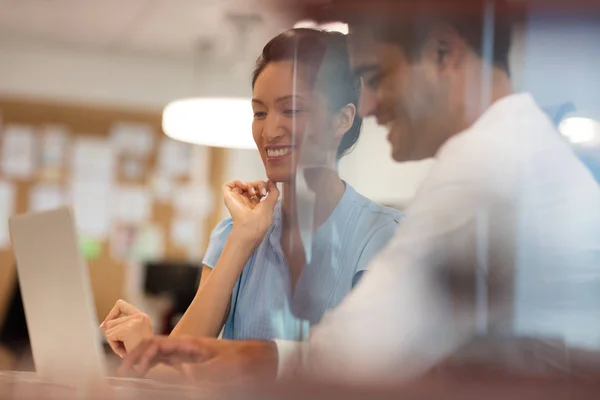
(344, 120)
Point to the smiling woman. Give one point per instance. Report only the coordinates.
(256, 280)
(290, 112)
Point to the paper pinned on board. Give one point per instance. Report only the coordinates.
(7, 208)
(91, 205)
(132, 138)
(192, 201)
(162, 187)
(132, 204)
(18, 151)
(149, 243)
(53, 148)
(122, 238)
(186, 232)
(93, 160)
(174, 158)
(46, 196)
(132, 168)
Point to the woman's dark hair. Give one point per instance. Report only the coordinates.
(325, 55)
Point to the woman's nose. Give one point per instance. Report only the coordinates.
(273, 128)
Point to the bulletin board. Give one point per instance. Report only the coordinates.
(107, 272)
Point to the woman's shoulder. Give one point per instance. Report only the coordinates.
(375, 211)
(218, 238)
(222, 229)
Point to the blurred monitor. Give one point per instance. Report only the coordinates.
(177, 280)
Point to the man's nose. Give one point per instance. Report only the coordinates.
(367, 103)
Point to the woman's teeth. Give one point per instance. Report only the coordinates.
(278, 152)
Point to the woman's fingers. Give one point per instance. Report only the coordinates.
(126, 333)
(252, 188)
(121, 307)
(113, 336)
(261, 188)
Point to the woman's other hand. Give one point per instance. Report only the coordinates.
(125, 327)
(251, 206)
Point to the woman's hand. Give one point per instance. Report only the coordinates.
(251, 206)
(125, 327)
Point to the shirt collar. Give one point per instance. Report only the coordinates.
(510, 104)
(347, 198)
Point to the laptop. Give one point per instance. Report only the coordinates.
(57, 298)
(59, 306)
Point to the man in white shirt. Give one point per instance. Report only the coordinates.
(501, 240)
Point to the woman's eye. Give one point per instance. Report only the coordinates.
(260, 114)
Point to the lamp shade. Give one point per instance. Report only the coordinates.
(216, 122)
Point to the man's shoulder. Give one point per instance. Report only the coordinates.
(372, 210)
(501, 143)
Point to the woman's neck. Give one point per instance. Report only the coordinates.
(328, 189)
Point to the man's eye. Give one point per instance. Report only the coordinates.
(373, 81)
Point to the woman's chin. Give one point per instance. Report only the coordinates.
(280, 176)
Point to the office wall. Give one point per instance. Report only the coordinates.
(561, 62)
(109, 266)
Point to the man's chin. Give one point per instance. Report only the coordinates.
(400, 155)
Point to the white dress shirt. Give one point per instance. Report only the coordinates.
(502, 238)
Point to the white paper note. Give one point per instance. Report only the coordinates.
(54, 140)
(132, 138)
(162, 187)
(188, 234)
(7, 204)
(174, 157)
(18, 151)
(133, 168)
(184, 232)
(122, 238)
(93, 160)
(45, 196)
(149, 244)
(132, 205)
(91, 204)
(193, 201)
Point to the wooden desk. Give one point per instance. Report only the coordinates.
(27, 386)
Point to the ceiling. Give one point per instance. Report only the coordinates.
(169, 28)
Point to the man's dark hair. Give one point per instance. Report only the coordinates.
(473, 21)
(324, 55)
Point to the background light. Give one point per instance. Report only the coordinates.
(216, 122)
(580, 130)
(330, 26)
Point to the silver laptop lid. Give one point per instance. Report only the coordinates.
(57, 297)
